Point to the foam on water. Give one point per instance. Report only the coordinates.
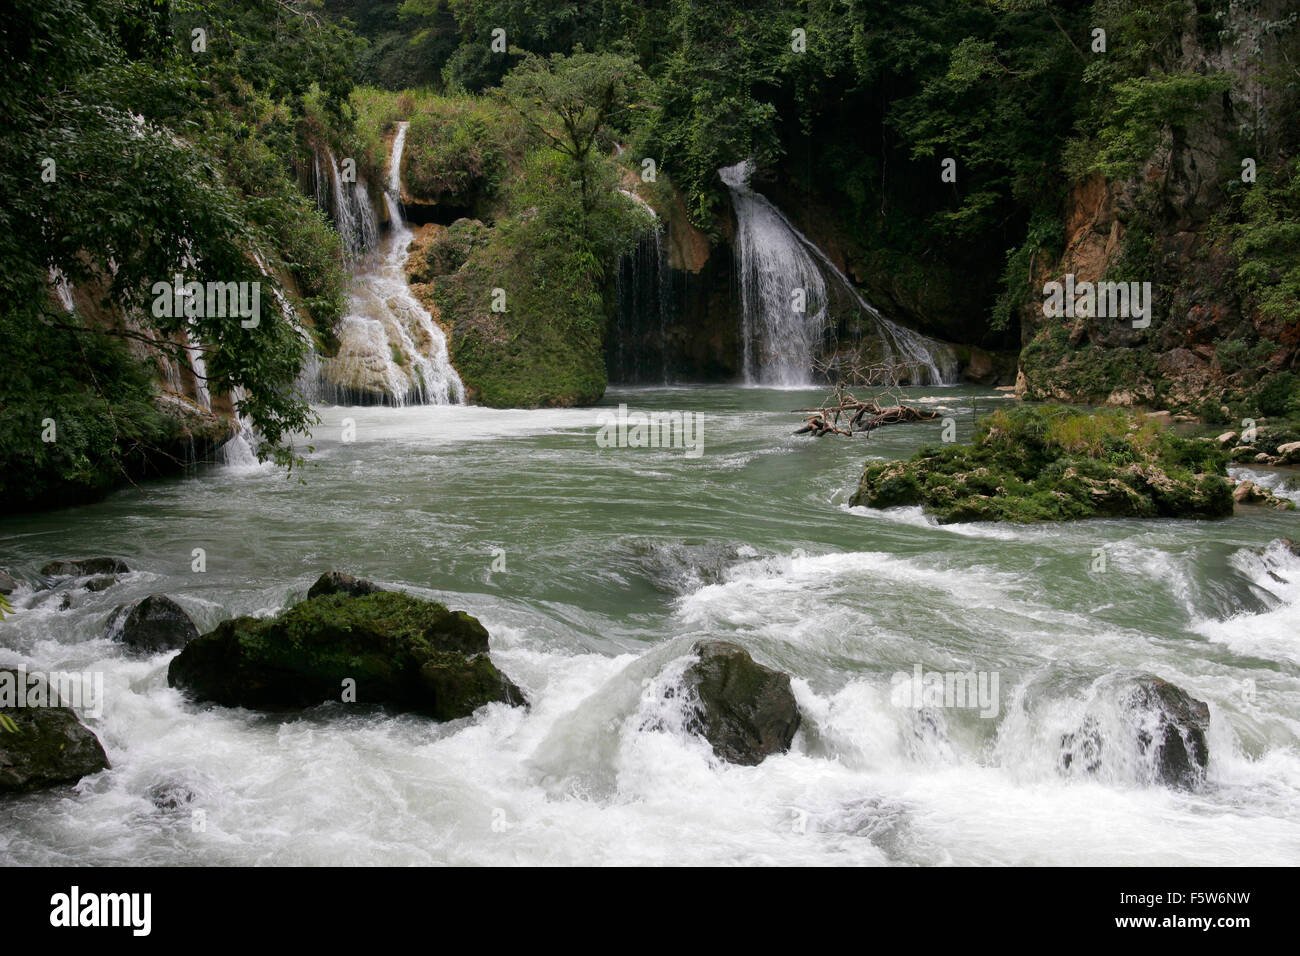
(1273, 634)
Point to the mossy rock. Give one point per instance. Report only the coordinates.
(1051, 463)
(400, 651)
(44, 746)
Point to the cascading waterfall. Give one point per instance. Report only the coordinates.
(390, 349)
(238, 450)
(62, 288)
(644, 294)
(348, 204)
(777, 266)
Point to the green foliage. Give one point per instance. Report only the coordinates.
(552, 256)
(573, 101)
(1043, 241)
(1267, 243)
(1145, 109)
(168, 161)
(88, 395)
(457, 149)
(1279, 395)
(1235, 355)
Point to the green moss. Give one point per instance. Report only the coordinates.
(551, 261)
(1050, 463)
(399, 650)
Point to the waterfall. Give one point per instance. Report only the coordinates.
(347, 204)
(62, 287)
(395, 162)
(390, 349)
(644, 310)
(776, 266)
(238, 450)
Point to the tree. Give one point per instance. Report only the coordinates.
(571, 101)
(139, 134)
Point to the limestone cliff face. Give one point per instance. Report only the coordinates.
(1159, 226)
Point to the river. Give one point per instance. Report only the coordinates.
(594, 569)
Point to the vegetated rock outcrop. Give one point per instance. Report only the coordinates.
(1186, 217)
(42, 746)
(1248, 492)
(1053, 464)
(746, 711)
(383, 648)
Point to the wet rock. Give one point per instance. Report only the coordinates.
(1172, 726)
(171, 796)
(1288, 543)
(100, 582)
(85, 567)
(1083, 748)
(745, 711)
(336, 582)
(1143, 726)
(155, 624)
(383, 648)
(7, 583)
(677, 568)
(42, 747)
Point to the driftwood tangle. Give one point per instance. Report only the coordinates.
(843, 414)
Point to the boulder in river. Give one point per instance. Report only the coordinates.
(43, 746)
(745, 711)
(171, 796)
(85, 567)
(1247, 492)
(1174, 723)
(385, 648)
(336, 582)
(7, 582)
(1160, 728)
(155, 624)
